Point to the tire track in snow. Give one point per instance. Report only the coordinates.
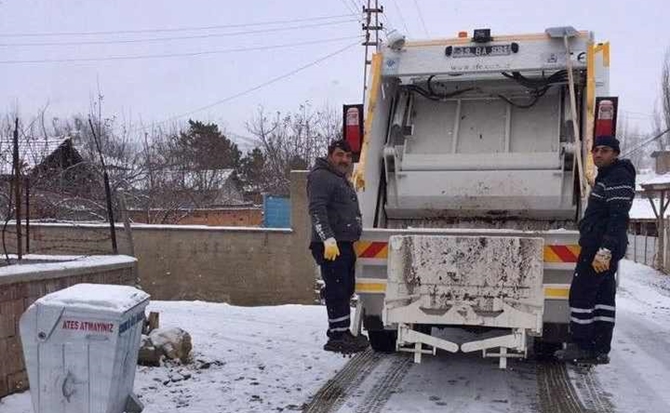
(570, 389)
(590, 391)
(376, 399)
(331, 396)
(555, 390)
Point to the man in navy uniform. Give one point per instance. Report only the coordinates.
(603, 241)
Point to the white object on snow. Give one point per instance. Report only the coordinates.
(174, 343)
(80, 345)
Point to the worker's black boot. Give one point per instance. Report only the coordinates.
(346, 343)
(602, 358)
(359, 341)
(574, 353)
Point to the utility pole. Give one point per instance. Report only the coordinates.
(369, 27)
(17, 190)
(108, 192)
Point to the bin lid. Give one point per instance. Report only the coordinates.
(96, 297)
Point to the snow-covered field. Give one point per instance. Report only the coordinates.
(269, 359)
(255, 359)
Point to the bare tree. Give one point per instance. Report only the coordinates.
(639, 149)
(66, 182)
(291, 141)
(664, 122)
(630, 138)
(186, 167)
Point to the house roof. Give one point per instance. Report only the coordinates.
(31, 151)
(655, 182)
(646, 175)
(642, 209)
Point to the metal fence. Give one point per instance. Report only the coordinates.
(643, 245)
(642, 249)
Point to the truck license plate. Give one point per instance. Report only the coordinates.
(480, 51)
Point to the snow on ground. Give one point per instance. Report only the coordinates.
(248, 359)
(639, 372)
(62, 262)
(265, 359)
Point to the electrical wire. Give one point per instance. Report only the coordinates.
(162, 39)
(402, 18)
(432, 95)
(649, 115)
(358, 6)
(538, 87)
(637, 115)
(175, 29)
(171, 55)
(348, 6)
(423, 23)
(257, 87)
(536, 95)
(557, 77)
(645, 143)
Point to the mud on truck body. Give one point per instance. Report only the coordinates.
(472, 176)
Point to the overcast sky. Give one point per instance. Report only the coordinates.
(156, 89)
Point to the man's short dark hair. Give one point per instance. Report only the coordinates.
(341, 143)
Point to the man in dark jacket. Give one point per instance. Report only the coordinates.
(603, 241)
(336, 225)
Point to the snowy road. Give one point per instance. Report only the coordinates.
(635, 381)
(269, 359)
(639, 373)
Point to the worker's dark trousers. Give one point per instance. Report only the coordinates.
(339, 276)
(592, 305)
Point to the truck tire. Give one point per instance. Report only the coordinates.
(383, 341)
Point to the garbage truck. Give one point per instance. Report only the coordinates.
(473, 172)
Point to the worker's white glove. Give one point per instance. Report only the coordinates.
(601, 262)
(330, 250)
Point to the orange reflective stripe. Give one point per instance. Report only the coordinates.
(552, 253)
(368, 249)
(561, 253)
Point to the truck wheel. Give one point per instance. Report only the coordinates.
(383, 340)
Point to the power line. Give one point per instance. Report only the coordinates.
(259, 86)
(645, 143)
(402, 19)
(630, 112)
(175, 29)
(348, 6)
(169, 55)
(359, 5)
(423, 23)
(385, 19)
(161, 39)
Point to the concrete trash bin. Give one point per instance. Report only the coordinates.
(80, 346)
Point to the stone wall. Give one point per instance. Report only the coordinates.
(241, 266)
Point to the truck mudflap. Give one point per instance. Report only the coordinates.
(482, 281)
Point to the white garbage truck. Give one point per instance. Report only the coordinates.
(473, 172)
